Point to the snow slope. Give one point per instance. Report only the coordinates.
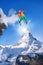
(27, 44)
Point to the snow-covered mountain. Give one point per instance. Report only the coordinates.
(27, 44)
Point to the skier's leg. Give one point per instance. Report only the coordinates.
(25, 19)
(21, 19)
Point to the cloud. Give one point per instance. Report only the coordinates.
(12, 17)
(22, 29)
(11, 12)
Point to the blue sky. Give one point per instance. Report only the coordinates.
(33, 11)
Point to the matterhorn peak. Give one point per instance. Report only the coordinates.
(25, 38)
(27, 44)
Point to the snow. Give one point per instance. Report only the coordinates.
(27, 44)
(21, 60)
(23, 45)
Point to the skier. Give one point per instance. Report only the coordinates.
(22, 16)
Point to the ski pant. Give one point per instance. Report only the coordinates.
(23, 18)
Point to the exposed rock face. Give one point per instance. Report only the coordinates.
(2, 26)
(27, 60)
(0, 31)
(2, 19)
